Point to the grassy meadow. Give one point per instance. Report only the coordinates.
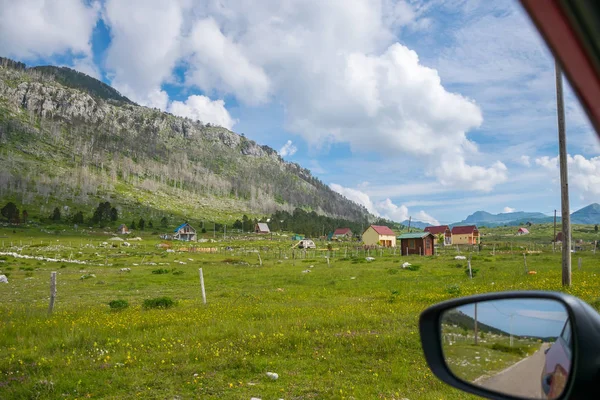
(345, 330)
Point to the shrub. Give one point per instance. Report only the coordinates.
(413, 267)
(518, 350)
(453, 289)
(160, 271)
(473, 273)
(158, 302)
(118, 304)
(178, 272)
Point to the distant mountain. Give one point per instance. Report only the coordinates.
(466, 322)
(483, 218)
(416, 224)
(587, 215)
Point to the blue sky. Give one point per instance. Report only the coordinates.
(430, 109)
(530, 317)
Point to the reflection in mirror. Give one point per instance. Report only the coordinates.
(521, 347)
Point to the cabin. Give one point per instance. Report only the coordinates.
(379, 235)
(342, 234)
(523, 231)
(421, 243)
(185, 232)
(262, 228)
(465, 235)
(441, 230)
(122, 230)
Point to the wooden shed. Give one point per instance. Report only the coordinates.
(418, 243)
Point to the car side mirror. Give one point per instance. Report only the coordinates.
(515, 345)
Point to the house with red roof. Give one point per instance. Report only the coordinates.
(523, 231)
(440, 230)
(342, 234)
(465, 235)
(379, 235)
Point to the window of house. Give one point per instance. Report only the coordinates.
(411, 243)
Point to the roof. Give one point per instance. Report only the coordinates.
(524, 230)
(435, 230)
(263, 227)
(342, 231)
(383, 230)
(414, 235)
(181, 226)
(461, 230)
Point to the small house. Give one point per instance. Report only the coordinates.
(421, 243)
(465, 235)
(122, 230)
(342, 234)
(379, 235)
(262, 228)
(523, 231)
(441, 230)
(185, 232)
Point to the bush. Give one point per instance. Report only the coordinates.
(160, 271)
(518, 350)
(159, 302)
(413, 267)
(453, 289)
(474, 271)
(118, 304)
(178, 272)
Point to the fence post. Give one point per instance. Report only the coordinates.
(259, 259)
(202, 285)
(579, 263)
(525, 261)
(52, 292)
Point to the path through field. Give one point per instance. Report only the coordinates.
(522, 379)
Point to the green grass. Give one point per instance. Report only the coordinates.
(348, 330)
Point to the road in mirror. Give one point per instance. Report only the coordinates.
(521, 347)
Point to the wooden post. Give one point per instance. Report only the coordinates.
(259, 259)
(579, 263)
(52, 292)
(494, 250)
(470, 270)
(525, 261)
(202, 285)
(327, 261)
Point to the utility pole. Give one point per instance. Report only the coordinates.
(554, 237)
(409, 218)
(564, 183)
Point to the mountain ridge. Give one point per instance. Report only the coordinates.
(65, 143)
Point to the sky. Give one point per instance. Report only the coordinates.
(530, 317)
(429, 109)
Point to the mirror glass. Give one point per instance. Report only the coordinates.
(521, 347)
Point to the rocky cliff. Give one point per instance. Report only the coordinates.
(70, 138)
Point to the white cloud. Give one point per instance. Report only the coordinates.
(218, 64)
(87, 66)
(525, 161)
(584, 173)
(508, 210)
(37, 28)
(386, 208)
(145, 45)
(204, 109)
(457, 174)
(389, 210)
(355, 195)
(288, 149)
